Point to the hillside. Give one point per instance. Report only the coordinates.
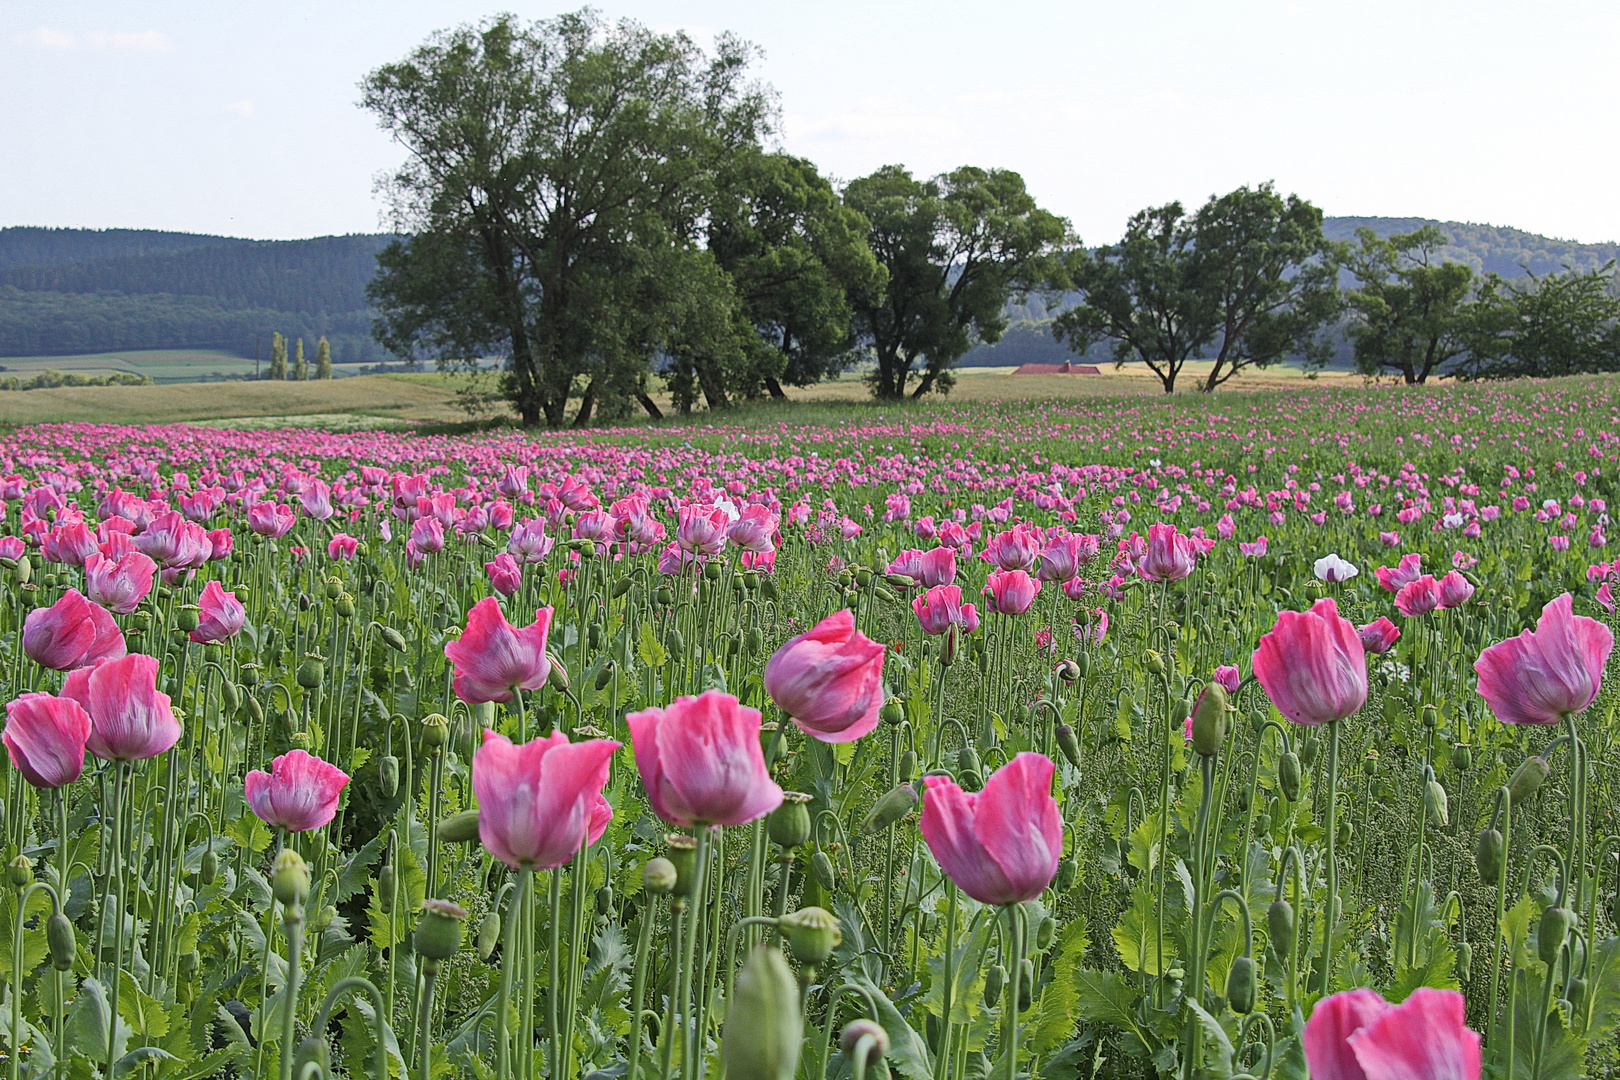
(66, 291)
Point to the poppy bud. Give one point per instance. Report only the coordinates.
(674, 642)
(896, 804)
(604, 900)
(789, 824)
(658, 876)
(312, 1051)
(764, 1022)
(995, 981)
(385, 889)
(208, 872)
(1308, 751)
(438, 934)
(1240, 986)
(1179, 711)
(967, 760)
(1288, 775)
(908, 765)
(1068, 870)
(1069, 744)
(822, 867)
(594, 635)
(1577, 994)
(893, 711)
(1488, 852)
(229, 696)
(849, 1040)
(1436, 804)
(388, 775)
(753, 640)
(289, 878)
(1026, 983)
(489, 936)
(811, 934)
(59, 939)
(435, 730)
(1068, 671)
(1045, 931)
(558, 678)
(1283, 924)
(1465, 960)
(1555, 926)
(1209, 721)
(459, 828)
(1527, 779)
(1346, 832)
(393, 639)
(604, 674)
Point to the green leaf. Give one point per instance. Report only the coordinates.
(144, 1013)
(649, 650)
(250, 832)
(1106, 998)
(1059, 1008)
(87, 1024)
(138, 1057)
(1601, 1014)
(907, 1051)
(1145, 842)
(1217, 1048)
(1136, 935)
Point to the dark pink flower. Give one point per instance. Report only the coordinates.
(220, 615)
(493, 658)
(1418, 597)
(941, 607)
(45, 737)
(342, 546)
(540, 802)
(71, 633)
(1312, 665)
(505, 575)
(1001, 845)
(130, 720)
(1455, 590)
(299, 793)
(701, 761)
(1357, 1035)
(1011, 592)
(1170, 556)
(829, 680)
(119, 584)
(1547, 673)
(1379, 636)
(1393, 577)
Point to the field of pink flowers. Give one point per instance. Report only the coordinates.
(1256, 736)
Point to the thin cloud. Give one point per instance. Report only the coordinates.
(124, 41)
(243, 108)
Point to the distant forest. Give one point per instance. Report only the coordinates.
(66, 291)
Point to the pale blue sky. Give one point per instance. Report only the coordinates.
(239, 117)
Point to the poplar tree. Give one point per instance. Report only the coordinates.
(323, 359)
(278, 357)
(300, 365)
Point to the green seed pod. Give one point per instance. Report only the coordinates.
(893, 711)
(1462, 758)
(1240, 983)
(1154, 662)
(1068, 870)
(663, 596)
(764, 1024)
(1069, 744)
(683, 856)
(250, 675)
(1026, 983)
(674, 642)
(334, 588)
(604, 900)
(908, 765)
(59, 939)
(821, 865)
(385, 889)
(658, 876)
(388, 775)
(1465, 960)
(438, 934)
(1045, 931)
(811, 934)
(1209, 721)
(995, 981)
(208, 872)
(889, 809)
(1288, 775)
(344, 606)
(393, 639)
(604, 674)
(311, 673)
(435, 730)
(289, 878)
(459, 828)
(489, 936)
(1550, 935)
(1488, 852)
(21, 871)
(1283, 924)
(789, 824)
(1369, 766)
(849, 1040)
(1527, 779)
(1436, 804)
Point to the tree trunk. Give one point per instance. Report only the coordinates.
(587, 405)
(925, 384)
(714, 387)
(774, 387)
(650, 405)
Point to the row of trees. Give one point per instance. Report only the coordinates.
(597, 204)
(300, 370)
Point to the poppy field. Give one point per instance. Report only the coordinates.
(1261, 736)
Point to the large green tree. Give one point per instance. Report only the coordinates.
(550, 168)
(955, 249)
(1413, 314)
(1245, 281)
(1547, 325)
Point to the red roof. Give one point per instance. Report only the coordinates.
(1065, 368)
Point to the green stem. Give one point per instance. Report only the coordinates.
(638, 984)
(293, 924)
(520, 900)
(1015, 916)
(1331, 915)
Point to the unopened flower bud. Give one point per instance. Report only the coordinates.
(604, 674)
(658, 876)
(459, 828)
(1045, 931)
(393, 639)
(908, 765)
(1240, 982)
(1436, 804)
(59, 939)
(893, 806)
(489, 936)
(764, 1021)
(821, 866)
(1069, 744)
(1554, 928)
(558, 678)
(1288, 775)
(1068, 671)
(388, 775)
(995, 981)
(289, 878)
(1527, 779)
(1283, 924)
(877, 1046)
(1488, 852)
(1209, 720)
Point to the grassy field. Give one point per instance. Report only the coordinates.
(159, 365)
(430, 398)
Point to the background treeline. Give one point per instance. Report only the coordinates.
(68, 291)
